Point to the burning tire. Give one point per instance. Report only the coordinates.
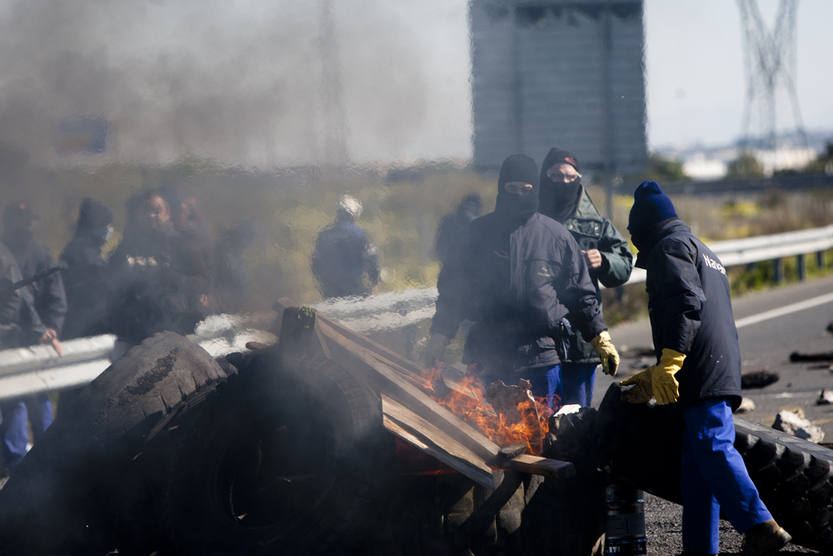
(87, 486)
(288, 458)
(794, 477)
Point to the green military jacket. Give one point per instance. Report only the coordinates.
(591, 230)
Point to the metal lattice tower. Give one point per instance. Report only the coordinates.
(334, 139)
(769, 61)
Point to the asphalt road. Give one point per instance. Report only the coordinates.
(766, 340)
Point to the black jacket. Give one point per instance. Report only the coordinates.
(342, 257)
(154, 287)
(87, 287)
(9, 299)
(47, 294)
(516, 285)
(591, 230)
(691, 312)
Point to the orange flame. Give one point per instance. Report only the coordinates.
(467, 400)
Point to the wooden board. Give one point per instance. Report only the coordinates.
(548, 467)
(421, 434)
(375, 371)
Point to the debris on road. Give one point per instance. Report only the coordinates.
(757, 379)
(794, 422)
(746, 406)
(796, 357)
(825, 397)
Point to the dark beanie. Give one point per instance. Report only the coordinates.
(93, 215)
(518, 167)
(650, 206)
(559, 156)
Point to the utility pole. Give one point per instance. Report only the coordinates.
(769, 62)
(335, 145)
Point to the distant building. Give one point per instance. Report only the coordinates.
(559, 72)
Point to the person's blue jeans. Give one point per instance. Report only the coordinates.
(714, 478)
(577, 383)
(16, 413)
(546, 381)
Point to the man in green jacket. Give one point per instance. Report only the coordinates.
(609, 259)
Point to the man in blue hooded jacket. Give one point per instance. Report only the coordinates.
(698, 366)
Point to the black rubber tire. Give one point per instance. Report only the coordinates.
(86, 482)
(794, 477)
(294, 458)
(795, 480)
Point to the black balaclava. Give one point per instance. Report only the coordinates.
(17, 228)
(513, 208)
(94, 221)
(559, 200)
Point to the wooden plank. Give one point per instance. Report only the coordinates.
(369, 364)
(435, 444)
(548, 467)
(366, 366)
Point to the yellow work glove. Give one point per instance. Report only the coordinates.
(607, 352)
(657, 381)
(641, 391)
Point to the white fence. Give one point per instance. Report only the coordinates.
(38, 368)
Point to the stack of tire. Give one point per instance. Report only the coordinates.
(170, 451)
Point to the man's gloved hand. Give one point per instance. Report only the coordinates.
(434, 350)
(657, 381)
(641, 391)
(607, 352)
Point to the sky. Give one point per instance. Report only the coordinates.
(694, 69)
(241, 80)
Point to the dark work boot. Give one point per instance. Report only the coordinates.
(765, 538)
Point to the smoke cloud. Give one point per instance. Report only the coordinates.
(245, 83)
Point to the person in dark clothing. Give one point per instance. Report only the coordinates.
(519, 276)
(698, 366)
(230, 274)
(9, 299)
(343, 255)
(85, 276)
(41, 316)
(608, 256)
(452, 228)
(32, 258)
(194, 246)
(153, 290)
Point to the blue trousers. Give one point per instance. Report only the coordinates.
(16, 413)
(577, 383)
(714, 478)
(545, 382)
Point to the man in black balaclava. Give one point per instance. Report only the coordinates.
(519, 274)
(85, 277)
(608, 256)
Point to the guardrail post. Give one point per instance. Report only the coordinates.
(802, 269)
(820, 259)
(778, 270)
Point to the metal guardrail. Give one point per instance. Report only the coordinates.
(38, 368)
(29, 370)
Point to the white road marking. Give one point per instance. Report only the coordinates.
(785, 310)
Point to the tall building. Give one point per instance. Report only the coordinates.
(559, 72)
